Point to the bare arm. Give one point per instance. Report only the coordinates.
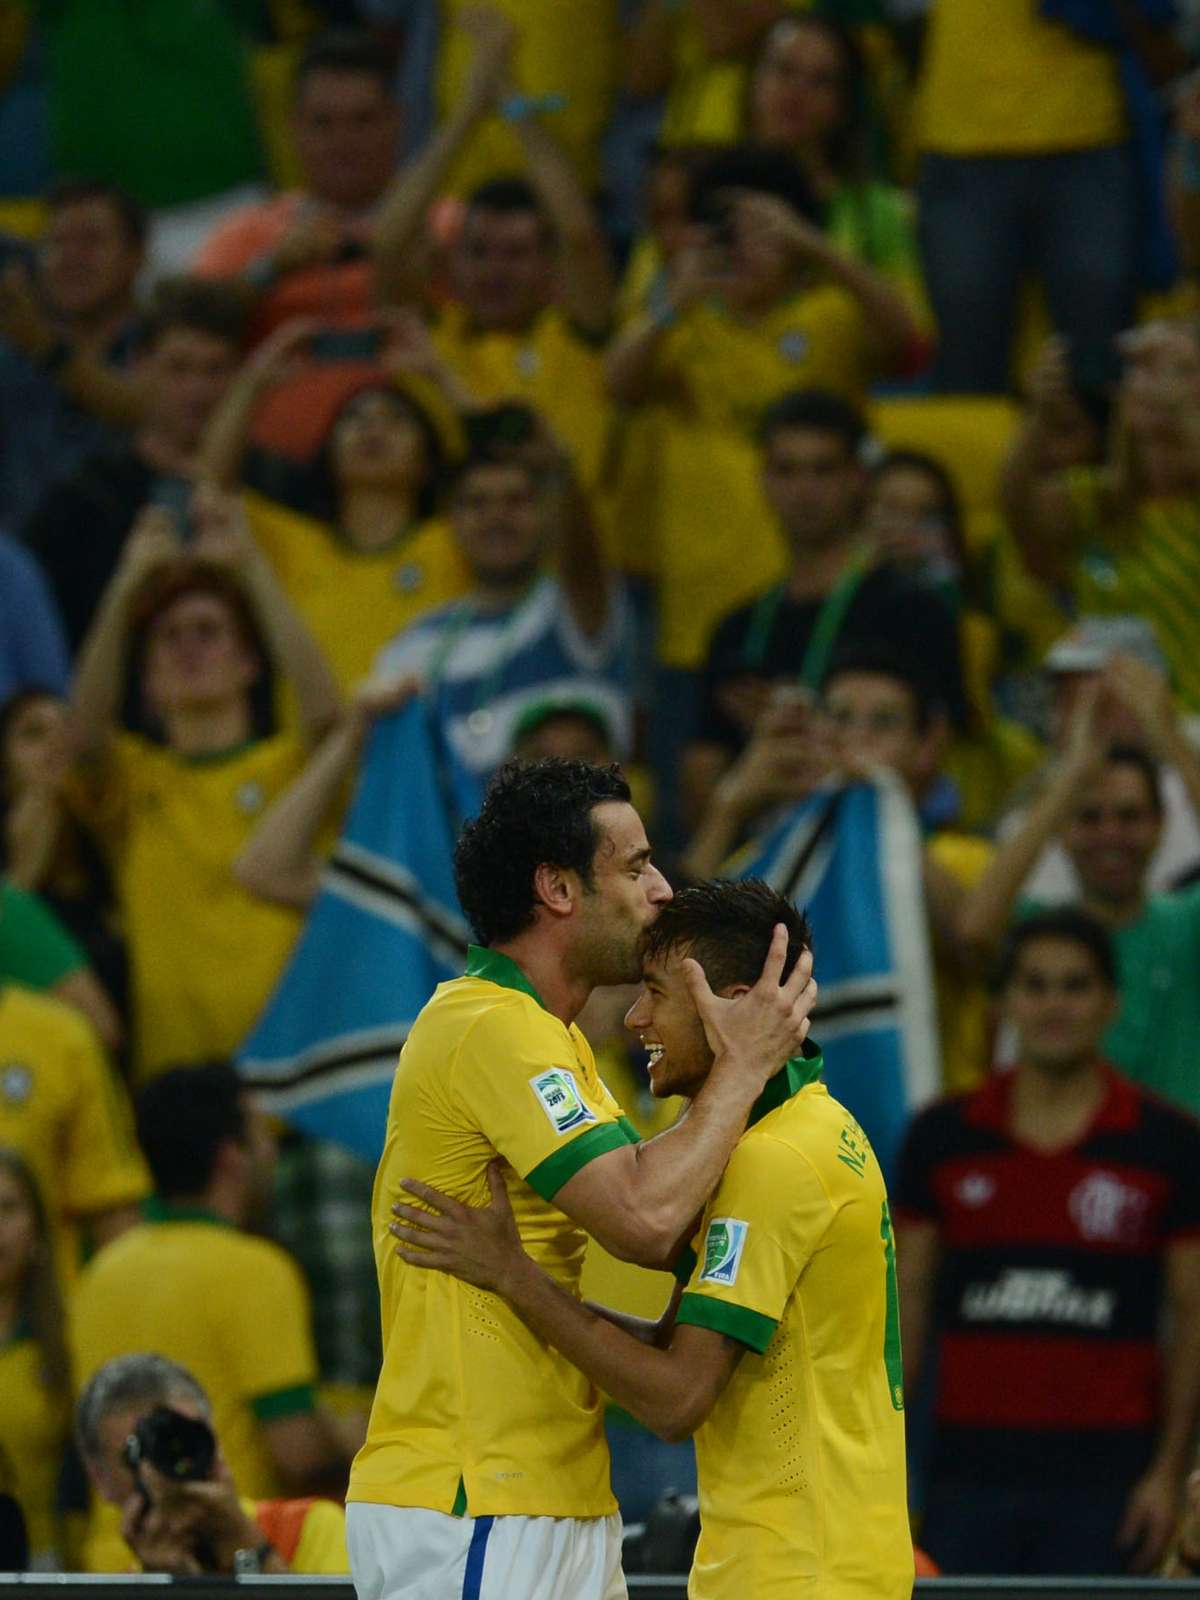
(223, 537)
(280, 861)
(99, 674)
(1157, 1499)
(221, 450)
(84, 991)
(401, 226)
(641, 1200)
(1146, 693)
(918, 1251)
(629, 366)
(670, 1390)
(586, 272)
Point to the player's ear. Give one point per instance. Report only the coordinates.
(554, 889)
(733, 990)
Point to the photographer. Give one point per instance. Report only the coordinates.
(144, 1429)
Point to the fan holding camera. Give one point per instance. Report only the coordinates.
(144, 1429)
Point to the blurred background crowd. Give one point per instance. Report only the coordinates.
(783, 398)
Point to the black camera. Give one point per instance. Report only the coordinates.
(183, 1449)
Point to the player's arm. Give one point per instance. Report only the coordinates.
(670, 1391)
(640, 1201)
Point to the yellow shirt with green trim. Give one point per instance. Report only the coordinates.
(1146, 563)
(204, 952)
(34, 1427)
(801, 1461)
(233, 1309)
(63, 1109)
(474, 1414)
(329, 582)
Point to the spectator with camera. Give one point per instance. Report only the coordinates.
(192, 1283)
(145, 1430)
(307, 252)
(174, 810)
(188, 350)
(68, 334)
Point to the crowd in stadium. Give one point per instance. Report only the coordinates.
(796, 402)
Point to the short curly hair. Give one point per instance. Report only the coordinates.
(534, 814)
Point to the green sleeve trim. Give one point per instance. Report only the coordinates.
(628, 1129)
(685, 1266)
(736, 1322)
(297, 1401)
(548, 1177)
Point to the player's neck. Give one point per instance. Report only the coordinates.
(563, 995)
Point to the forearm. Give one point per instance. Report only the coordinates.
(985, 910)
(401, 222)
(717, 834)
(582, 570)
(102, 390)
(1175, 1446)
(99, 674)
(645, 1380)
(280, 861)
(587, 275)
(224, 443)
(629, 364)
(294, 651)
(892, 326)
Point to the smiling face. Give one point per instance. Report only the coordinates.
(1059, 1005)
(1113, 834)
(624, 898)
(665, 1017)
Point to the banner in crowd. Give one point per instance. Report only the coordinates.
(851, 857)
(384, 931)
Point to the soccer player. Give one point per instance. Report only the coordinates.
(780, 1350)
(485, 1472)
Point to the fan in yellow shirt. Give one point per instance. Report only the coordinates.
(530, 280)
(35, 1380)
(204, 953)
(64, 1111)
(782, 1353)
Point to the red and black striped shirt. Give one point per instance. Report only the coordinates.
(1051, 1288)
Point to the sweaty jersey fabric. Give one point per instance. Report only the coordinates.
(801, 1461)
(473, 1413)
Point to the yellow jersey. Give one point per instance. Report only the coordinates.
(231, 1308)
(355, 601)
(1146, 563)
(568, 48)
(550, 367)
(63, 1110)
(34, 1428)
(474, 1414)
(1001, 80)
(801, 1461)
(204, 953)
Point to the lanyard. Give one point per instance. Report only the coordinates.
(825, 630)
(485, 691)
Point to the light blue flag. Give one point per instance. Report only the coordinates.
(851, 857)
(384, 931)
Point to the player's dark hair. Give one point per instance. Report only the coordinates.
(1132, 755)
(814, 411)
(77, 191)
(200, 305)
(879, 661)
(184, 1116)
(536, 813)
(727, 928)
(1067, 925)
(344, 51)
(509, 197)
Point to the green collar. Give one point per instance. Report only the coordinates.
(501, 969)
(794, 1075)
(156, 1209)
(214, 758)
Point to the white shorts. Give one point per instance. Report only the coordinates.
(406, 1553)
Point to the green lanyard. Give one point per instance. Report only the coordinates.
(825, 631)
(464, 615)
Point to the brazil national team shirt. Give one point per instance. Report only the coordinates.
(473, 1414)
(801, 1462)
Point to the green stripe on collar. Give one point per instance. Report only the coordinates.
(156, 1209)
(499, 969)
(793, 1076)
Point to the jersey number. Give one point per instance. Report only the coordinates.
(892, 1359)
